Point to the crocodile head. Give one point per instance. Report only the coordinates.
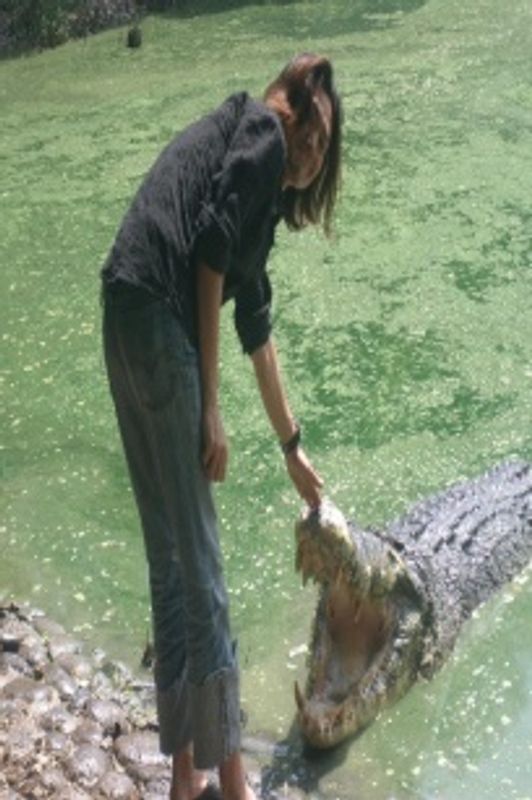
(367, 636)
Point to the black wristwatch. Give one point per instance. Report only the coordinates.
(292, 443)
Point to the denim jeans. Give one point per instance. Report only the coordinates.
(154, 379)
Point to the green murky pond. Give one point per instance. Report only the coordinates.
(406, 345)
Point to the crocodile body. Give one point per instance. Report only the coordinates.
(393, 602)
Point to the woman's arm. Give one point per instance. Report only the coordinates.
(215, 450)
(304, 477)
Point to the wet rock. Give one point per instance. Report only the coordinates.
(87, 765)
(62, 644)
(48, 628)
(88, 732)
(7, 674)
(9, 643)
(118, 672)
(101, 686)
(40, 696)
(21, 631)
(30, 645)
(80, 699)
(36, 655)
(109, 715)
(148, 795)
(99, 657)
(145, 720)
(54, 781)
(76, 666)
(11, 774)
(19, 687)
(8, 710)
(75, 793)
(59, 719)
(43, 782)
(159, 787)
(141, 708)
(118, 786)
(22, 740)
(57, 677)
(139, 754)
(57, 742)
(16, 663)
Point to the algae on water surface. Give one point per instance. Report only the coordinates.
(406, 344)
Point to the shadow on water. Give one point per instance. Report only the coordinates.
(496, 693)
(294, 764)
(309, 19)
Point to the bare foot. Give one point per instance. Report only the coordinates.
(190, 791)
(250, 794)
(187, 781)
(233, 780)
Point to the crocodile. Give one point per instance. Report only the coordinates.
(392, 601)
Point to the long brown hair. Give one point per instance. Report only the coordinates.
(298, 82)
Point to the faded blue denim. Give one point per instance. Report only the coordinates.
(154, 379)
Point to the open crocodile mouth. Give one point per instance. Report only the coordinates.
(353, 654)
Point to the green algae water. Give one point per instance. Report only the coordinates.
(406, 344)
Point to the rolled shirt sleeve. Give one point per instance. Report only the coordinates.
(253, 313)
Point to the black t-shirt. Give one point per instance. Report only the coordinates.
(213, 195)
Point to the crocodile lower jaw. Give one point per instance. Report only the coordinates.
(350, 636)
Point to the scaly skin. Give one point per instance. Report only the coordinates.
(392, 603)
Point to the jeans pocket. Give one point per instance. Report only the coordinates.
(161, 359)
(157, 378)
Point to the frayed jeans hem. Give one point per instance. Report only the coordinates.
(208, 715)
(216, 719)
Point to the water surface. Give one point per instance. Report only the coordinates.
(406, 344)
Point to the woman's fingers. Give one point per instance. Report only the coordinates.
(215, 449)
(215, 457)
(305, 478)
(219, 465)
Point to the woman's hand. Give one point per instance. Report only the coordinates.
(215, 448)
(304, 477)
